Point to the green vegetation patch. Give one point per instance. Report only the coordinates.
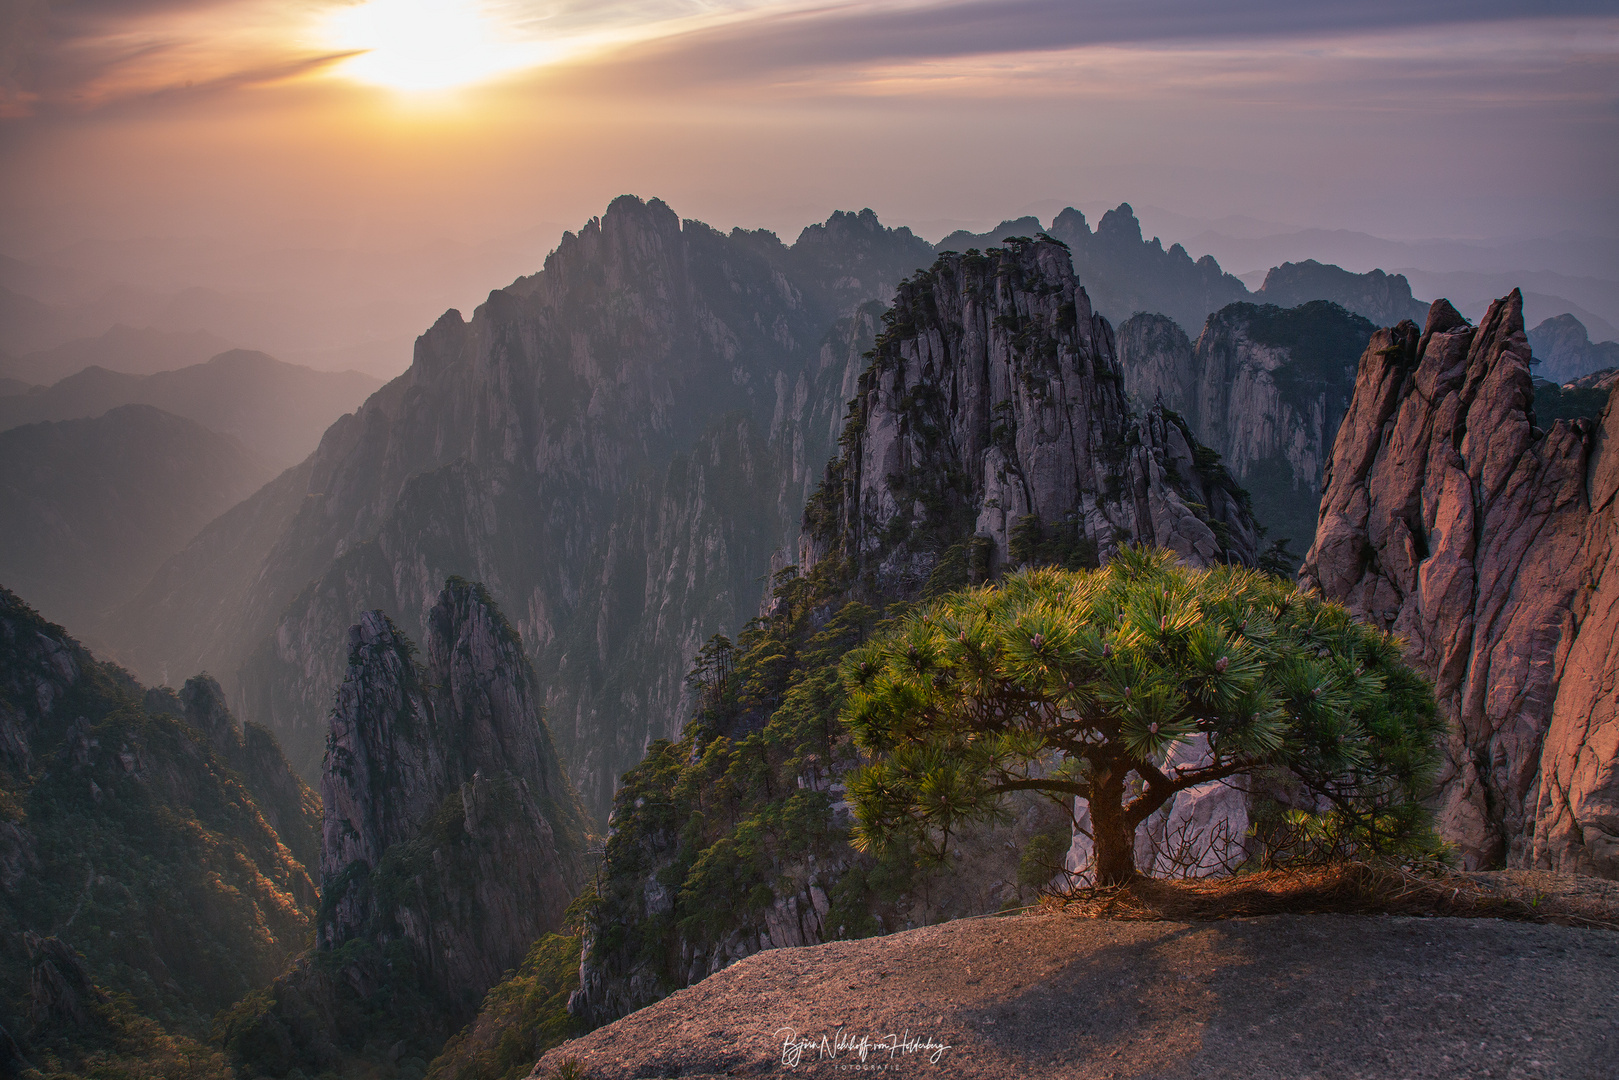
(1324, 340)
(1553, 403)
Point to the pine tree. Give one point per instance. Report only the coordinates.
(1079, 683)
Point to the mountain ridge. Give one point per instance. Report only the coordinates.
(278, 411)
(96, 505)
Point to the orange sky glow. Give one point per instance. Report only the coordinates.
(396, 123)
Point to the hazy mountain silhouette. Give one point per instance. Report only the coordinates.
(1565, 351)
(277, 410)
(121, 348)
(94, 506)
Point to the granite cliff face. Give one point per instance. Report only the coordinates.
(1264, 387)
(653, 385)
(994, 397)
(1453, 520)
(451, 841)
(451, 752)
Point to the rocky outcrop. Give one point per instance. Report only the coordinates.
(1602, 379)
(1174, 998)
(448, 824)
(995, 396)
(1383, 298)
(548, 447)
(1264, 387)
(451, 841)
(1454, 521)
(60, 992)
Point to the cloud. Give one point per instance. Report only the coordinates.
(785, 39)
(91, 53)
(81, 56)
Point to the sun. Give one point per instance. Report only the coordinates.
(427, 44)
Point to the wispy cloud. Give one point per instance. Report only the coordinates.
(96, 52)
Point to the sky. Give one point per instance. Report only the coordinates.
(394, 122)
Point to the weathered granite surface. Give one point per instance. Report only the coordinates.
(452, 758)
(995, 394)
(1454, 521)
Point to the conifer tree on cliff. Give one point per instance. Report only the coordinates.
(1080, 683)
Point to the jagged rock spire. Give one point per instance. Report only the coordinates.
(1451, 519)
(442, 774)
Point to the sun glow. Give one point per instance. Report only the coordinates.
(430, 44)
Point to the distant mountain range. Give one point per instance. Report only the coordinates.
(1122, 272)
(94, 506)
(121, 348)
(1584, 257)
(331, 308)
(1128, 275)
(278, 411)
(1593, 301)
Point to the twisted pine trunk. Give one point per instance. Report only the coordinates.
(1111, 832)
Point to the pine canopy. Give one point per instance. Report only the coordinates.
(1080, 683)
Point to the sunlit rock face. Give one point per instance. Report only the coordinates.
(1451, 519)
(995, 395)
